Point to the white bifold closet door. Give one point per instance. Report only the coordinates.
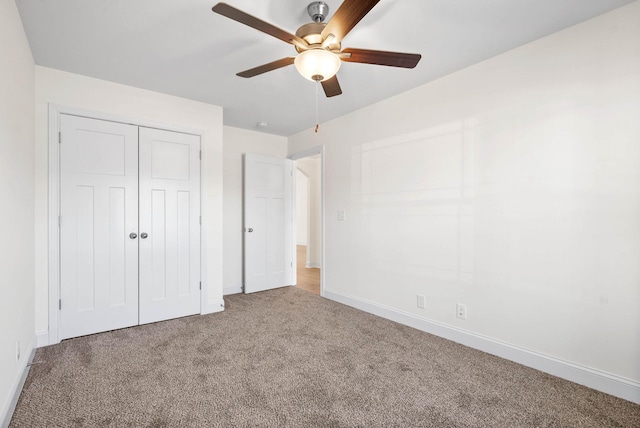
(169, 225)
(129, 225)
(98, 214)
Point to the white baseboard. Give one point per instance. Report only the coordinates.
(309, 265)
(213, 306)
(9, 407)
(232, 289)
(602, 381)
(42, 339)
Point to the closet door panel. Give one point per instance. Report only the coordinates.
(169, 225)
(98, 212)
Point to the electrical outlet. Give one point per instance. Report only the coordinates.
(18, 351)
(342, 215)
(420, 301)
(461, 311)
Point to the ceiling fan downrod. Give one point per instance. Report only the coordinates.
(318, 11)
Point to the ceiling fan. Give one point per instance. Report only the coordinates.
(318, 44)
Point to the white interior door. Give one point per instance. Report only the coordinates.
(169, 225)
(268, 223)
(98, 226)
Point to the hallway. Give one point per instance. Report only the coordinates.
(308, 278)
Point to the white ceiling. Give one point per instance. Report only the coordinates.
(182, 48)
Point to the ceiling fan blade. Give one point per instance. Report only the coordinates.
(253, 22)
(346, 17)
(392, 59)
(266, 67)
(331, 87)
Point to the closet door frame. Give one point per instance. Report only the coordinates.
(55, 110)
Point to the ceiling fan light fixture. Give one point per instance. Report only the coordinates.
(317, 64)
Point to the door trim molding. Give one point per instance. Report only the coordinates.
(54, 112)
(317, 150)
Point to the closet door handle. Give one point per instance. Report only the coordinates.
(133, 235)
(143, 235)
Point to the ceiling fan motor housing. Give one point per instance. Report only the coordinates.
(311, 33)
(318, 11)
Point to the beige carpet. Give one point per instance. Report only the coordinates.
(290, 358)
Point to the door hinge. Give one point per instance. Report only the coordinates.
(59, 304)
(200, 285)
(59, 220)
(200, 154)
(200, 220)
(59, 137)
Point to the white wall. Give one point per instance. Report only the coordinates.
(72, 90)
(311, 166)
(512, 186)
(302, 207)
(236, 143)
(16, 193)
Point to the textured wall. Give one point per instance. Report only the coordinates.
(512, 186)
(16, 193)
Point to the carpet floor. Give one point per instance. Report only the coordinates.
(288, 358)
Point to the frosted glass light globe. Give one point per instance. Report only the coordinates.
(318, 64)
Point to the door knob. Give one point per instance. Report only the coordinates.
(133, 235)
(250, 230)
(143, 235)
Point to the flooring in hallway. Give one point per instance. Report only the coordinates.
(308, 278)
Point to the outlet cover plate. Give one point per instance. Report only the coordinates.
(461, 311)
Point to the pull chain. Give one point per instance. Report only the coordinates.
(317, 96)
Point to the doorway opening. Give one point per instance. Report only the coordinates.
(309, 220)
